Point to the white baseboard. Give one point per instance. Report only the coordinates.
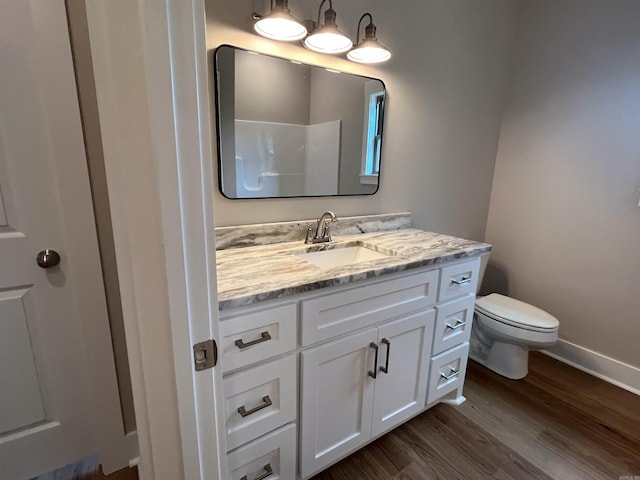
(134, 448)
(606, 368)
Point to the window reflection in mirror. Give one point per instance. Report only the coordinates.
(372, 138)
(287, 129)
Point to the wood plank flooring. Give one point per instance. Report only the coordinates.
(88, 469)
(124, 474)
(557, 423)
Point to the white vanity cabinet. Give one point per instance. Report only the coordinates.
(260, 387)
(361, 385)
(454, 317)
(337, 367)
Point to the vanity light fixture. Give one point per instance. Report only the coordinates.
(279, 24)
(369, 50)
(327, 38)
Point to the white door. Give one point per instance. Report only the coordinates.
(45, 313)
(336, 399)
(401, 386)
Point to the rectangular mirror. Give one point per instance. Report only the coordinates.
(286, 129)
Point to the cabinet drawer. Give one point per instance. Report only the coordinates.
(255, 336)
(350, 309)
(446, 372)
(453, 323)
(458, 280)
(275, 452)
(259, 400)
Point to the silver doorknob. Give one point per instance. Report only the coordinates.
(48, 258)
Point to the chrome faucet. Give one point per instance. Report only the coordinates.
(322, 233)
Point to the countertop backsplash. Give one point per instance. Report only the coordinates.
(280, 232)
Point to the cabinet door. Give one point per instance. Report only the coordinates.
(405, 349)
(336, 399)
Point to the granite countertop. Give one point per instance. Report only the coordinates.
(256, 273)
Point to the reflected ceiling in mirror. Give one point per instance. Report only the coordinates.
(286, 129)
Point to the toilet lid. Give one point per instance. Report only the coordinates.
(516, 313)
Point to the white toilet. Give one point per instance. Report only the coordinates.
(505, 329)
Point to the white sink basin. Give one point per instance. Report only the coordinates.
(339, 257)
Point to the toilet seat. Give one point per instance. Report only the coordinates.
(516, 313)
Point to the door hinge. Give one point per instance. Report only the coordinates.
(205, 355)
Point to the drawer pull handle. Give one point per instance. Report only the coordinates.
(245, 413)
(264, 337)
(459, 323)
(374, 374)
(452, 373)
(462, 281)
(385, 369)
(268, 472)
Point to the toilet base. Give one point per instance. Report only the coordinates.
(506, 359)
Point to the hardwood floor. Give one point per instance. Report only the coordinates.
(557, 423)
(124, 474)
(88, 469)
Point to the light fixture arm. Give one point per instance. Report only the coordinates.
(330, 14)
(275, 5)
(370, 30)
(280, 5)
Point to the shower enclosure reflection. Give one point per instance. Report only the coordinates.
(287, 129)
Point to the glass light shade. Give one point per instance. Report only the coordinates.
(369, 51)
(328, 39)
(280, 25)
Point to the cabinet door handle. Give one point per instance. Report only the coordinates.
(268, 472)
(266, 403)
(452, 373)
(463, 281)
(385, 369)
(264, 337)
(374, 373)
(459, 323)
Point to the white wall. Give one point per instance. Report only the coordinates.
(564, 217)
(445, 84)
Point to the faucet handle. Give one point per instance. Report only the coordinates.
(327, 228)
(309, 238)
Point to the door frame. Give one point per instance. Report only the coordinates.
(150, 67)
